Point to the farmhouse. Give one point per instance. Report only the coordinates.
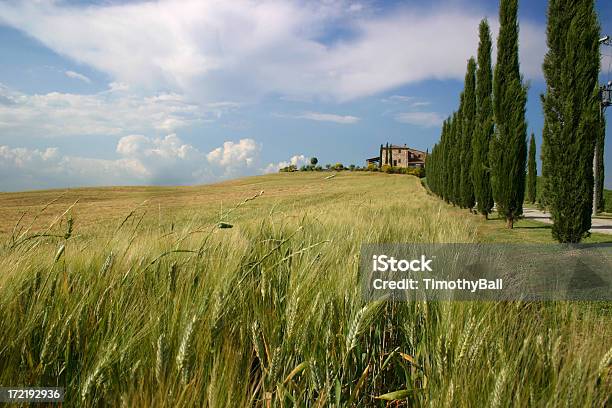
(398, 156)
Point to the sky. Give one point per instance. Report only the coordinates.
(179, 92)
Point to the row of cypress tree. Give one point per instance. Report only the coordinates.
(482, 152)
(481, 157)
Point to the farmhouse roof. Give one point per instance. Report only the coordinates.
(405, 147)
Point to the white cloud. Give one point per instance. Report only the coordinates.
(115, 111)
(76, 75)
(142, 147)
(422, 119)
(199, 47)
(218, 109)
(420, 104)
(22, 168)
(355, 7)
(398, 98)
(328, 117)
(234, 155)
(298, 160)
(142, 160)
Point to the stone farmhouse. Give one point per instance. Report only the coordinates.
(398, 156)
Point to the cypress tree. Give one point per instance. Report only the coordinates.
(544, 184)
(571, 108)
(600, 168)
(448, 160)
(430, 167)
(483, 130)
(469, 119)
(387, 154)
(430, 170)
(442, 159)
(456, 153)
(532, 171)
(556, 33)
(509, 153)
(380, 156)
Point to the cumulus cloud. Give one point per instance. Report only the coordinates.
(166, 148)
(297, 160)
(141, 160)
(422, 119)
(232, 156)
(199, 48)
(76, 75)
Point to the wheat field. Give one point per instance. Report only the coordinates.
(246, 293)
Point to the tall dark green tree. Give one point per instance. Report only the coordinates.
(456, 152)
(571, 109)
(556, 34)
(387, 154)
(449, 162)
(544, 184)
(483, 131)
(600, 168)
(380, 157)
(445, 179)
(532, 171)
(466, 186)
(508, 155)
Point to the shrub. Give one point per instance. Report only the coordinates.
(289, 169)
(413, 171)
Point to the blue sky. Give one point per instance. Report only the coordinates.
(186, 92)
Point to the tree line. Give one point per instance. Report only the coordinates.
(482, 159)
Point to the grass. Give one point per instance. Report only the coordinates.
(608, 201)
(526, 231)
(153, 304)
